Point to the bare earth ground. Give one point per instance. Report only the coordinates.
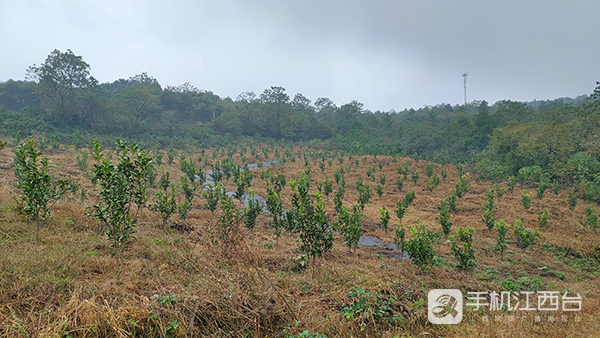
(182, 283)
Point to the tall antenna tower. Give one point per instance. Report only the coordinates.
(464, 75)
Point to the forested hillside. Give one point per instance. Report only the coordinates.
(62, 101)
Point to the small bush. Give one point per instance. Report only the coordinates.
(444, 217)
(592, 217)
(465, 253)
(500, 190)
(489, 219)
(384, 216)
(572, 199)
(420, 247)
(512, 182)
(542, 217)
(164, 205)
(525, 236)
(348, 224)
(433, 183)
(40, 190)
(452, 201)
(501, 240)
(526, 199)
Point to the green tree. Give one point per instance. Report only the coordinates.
(348, 224)
(164, 205)
(308, 218)
(40, 189)
(384, 217)
(465, 254)
(123, 191)
(63, 82)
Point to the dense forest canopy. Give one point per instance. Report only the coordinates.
(61, 99)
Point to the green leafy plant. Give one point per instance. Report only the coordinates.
(526, 199)
(402, 206)
(512, 182)
(525, 236)
(164, 205)
(368, 306)
(572, 199)
(275, 207)
(213, 194)
(123, 191)
(429, 169)
(464, 252)
(542, 187)
(556, 187)
(171, 155)
(488, 219)
(400, 183)
(452, 201)
(364, 195)
(379, 190)
(420, 247)
(415, 176)
(444, 217)
(40, 189)
(542, 217)
(308, 218)
(433, 182)
(444, 173)
(499, 189)
(501, 240)
(592, 217)
(384, 217)
(348, 224)
(252, 211)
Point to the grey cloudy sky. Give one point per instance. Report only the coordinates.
(386, 54)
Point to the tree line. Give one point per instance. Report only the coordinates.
(61, 97)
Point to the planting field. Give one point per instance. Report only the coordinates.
(207, 274)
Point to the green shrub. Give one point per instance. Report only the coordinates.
(348, 224)
(529, 175)
(592, 217)
(364, 195)
(212, 196)
(444, 173)
(572, 199)
(401, 206)
(444, 217)
(164, 205)
(420, 247)
(465, 253)
(501, 240)
(525, 236)
(384, 217)
(252, 211)
(275, 207)
(433, 183)
(40, 190)
(526, 199)
(499, 189)
(542, 187)
(400, 184)
(123, 191)
(379, 190)
(542, 217)
(308, 218)
(368, 306)
(512, 182)
(555, 187)
(429, 169)
(452, 201)
(415, 176)
(462, 187)
(489, 219)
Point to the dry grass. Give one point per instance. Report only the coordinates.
(181, 283)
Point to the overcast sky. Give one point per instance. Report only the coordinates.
(392, 54)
